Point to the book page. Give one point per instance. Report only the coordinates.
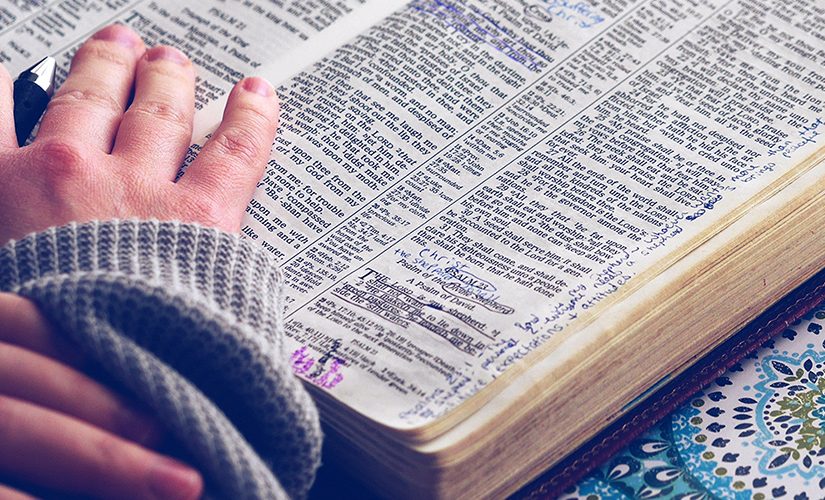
(455, 186)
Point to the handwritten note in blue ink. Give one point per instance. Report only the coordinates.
(481, 27)
(806, 135)
(451, 269)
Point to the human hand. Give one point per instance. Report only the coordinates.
(62, 431)
(91, 160)
(95, 159)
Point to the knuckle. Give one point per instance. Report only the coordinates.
(85, 97)
(164, 111)
(240, 143)
(256, 117)
(109, 449)
(206, 210)
(61, 159)
(103, 51)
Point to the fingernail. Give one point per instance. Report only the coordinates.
(258, 85)
(173, 480)
(164, 53)
(119, 34)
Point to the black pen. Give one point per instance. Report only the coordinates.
(32, 91)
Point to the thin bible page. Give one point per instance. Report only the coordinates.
(455, 186)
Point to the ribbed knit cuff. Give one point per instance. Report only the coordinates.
(190, 319)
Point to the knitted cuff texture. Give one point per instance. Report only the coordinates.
(190, 320)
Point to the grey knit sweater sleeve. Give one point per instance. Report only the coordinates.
(190, 320)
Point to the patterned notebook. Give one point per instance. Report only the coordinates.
(756, 431)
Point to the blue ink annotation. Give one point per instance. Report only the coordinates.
(460, 280)
(806, 135)
(480, 27)
(581, 14)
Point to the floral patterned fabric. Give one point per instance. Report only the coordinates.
(756, 432)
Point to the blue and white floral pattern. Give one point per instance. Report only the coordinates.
(756, 432)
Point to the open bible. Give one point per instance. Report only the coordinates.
(503, 222)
